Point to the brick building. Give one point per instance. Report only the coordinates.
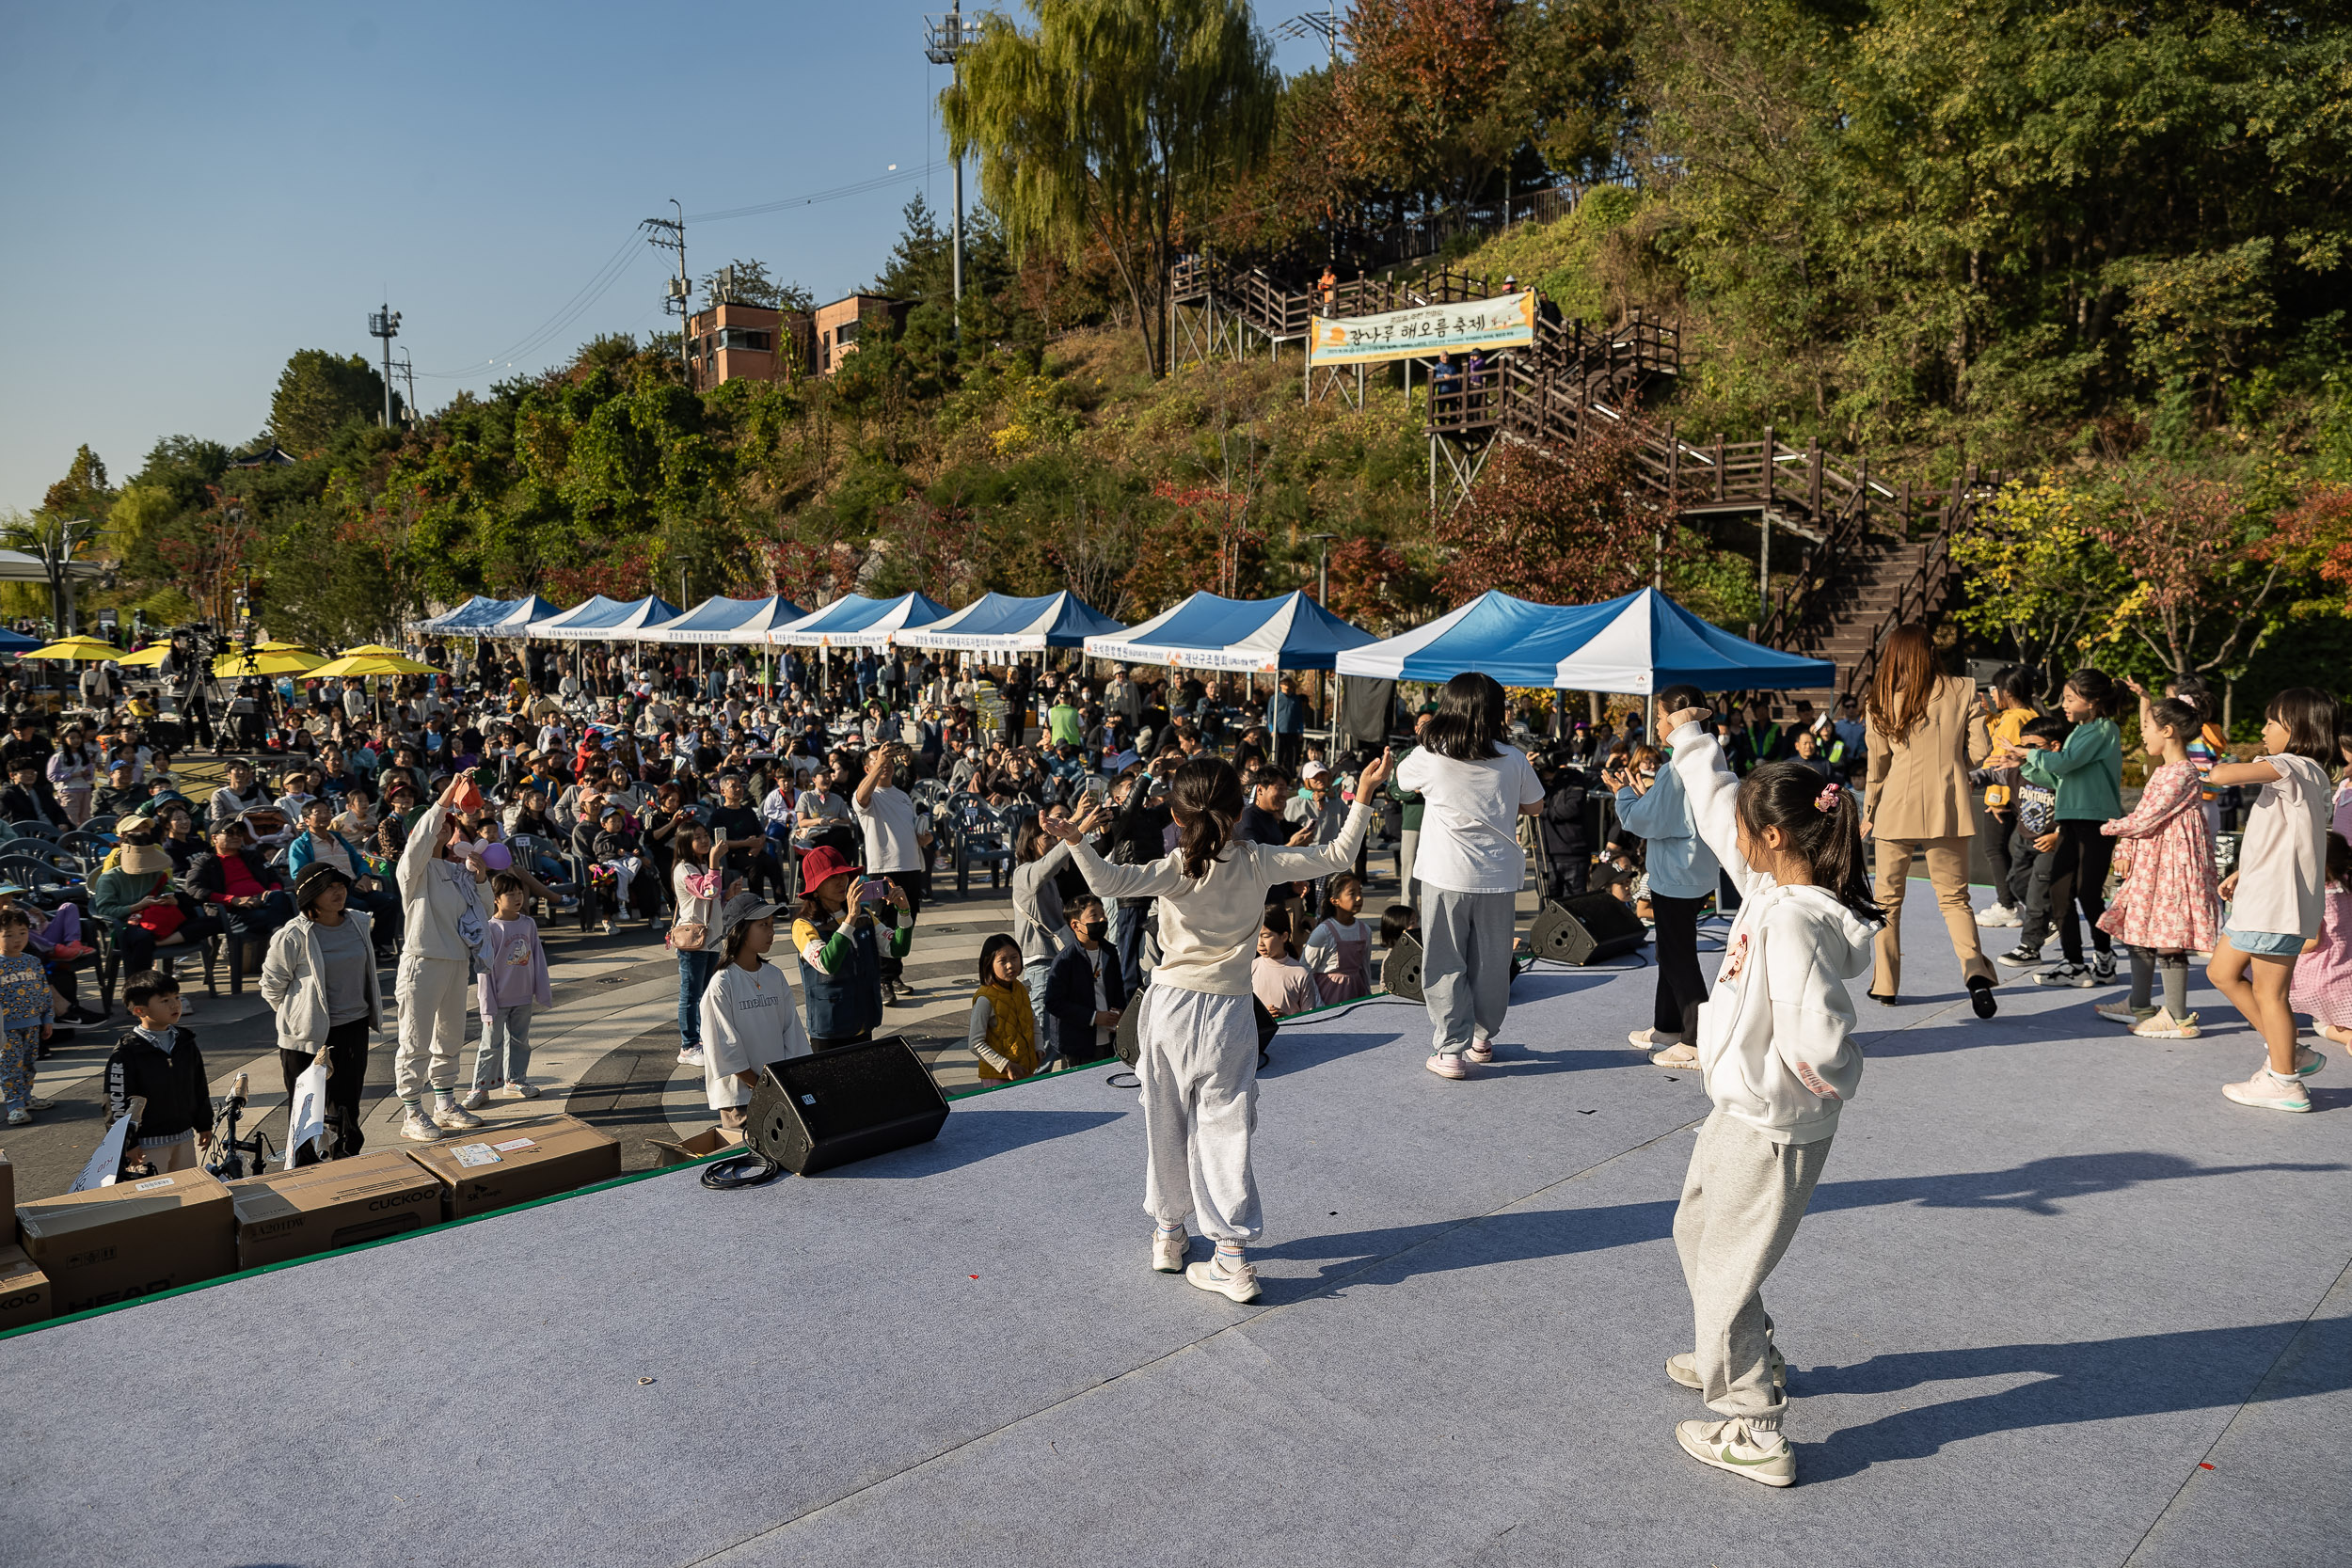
(731, 340)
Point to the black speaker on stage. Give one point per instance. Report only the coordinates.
(1400, 972)
(813, 1113)
(1589, 928)
(1127, 1039)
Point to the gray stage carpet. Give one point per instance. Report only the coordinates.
(2049, 1276)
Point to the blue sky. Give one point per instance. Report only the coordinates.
(195, 191)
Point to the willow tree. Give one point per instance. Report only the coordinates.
(1107, 124)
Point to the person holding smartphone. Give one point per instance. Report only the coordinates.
(1682, 873)
(895, 845)
(840, 935)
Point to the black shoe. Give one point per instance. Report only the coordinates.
(1981, 998)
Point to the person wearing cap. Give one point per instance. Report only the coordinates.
(133, 893)
(616, 846)
(840, 951)
(123, 794)
(746, 1011)
(320, 979)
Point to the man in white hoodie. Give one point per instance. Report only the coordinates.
(1775, 1048)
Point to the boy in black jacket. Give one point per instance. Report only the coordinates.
(158, 1061)
(1568, 851)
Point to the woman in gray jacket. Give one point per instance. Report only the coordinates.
(1036, 913)
(320, 979)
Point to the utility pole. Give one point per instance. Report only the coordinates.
(409, 380)
(669, 234)
(945, 38)
(384, 323)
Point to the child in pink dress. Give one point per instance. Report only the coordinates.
(2323, 977)
(2171, 904)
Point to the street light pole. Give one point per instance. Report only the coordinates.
(1323, 567)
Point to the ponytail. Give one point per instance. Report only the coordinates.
(1205, 796)
(1823, 824)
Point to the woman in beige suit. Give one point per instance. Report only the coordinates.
(1923, 738)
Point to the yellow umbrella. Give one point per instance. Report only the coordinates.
(155, 652)
(265, 661)
(82, 649)
(372, 659)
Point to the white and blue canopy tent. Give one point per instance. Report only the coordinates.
(1260, 636)
(1640, 643)
(854, 621)
(739, 622)
(1001, 623)
(466, 620)
(602, 620)
(524, 619)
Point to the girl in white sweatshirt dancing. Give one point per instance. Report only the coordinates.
(1776, 1050)
(1199, 1032)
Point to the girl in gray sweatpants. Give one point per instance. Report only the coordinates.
(1775, 1045)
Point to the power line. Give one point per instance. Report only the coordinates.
(880, 182)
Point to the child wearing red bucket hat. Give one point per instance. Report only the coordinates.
(838, 933)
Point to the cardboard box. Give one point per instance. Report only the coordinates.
(505, 1163)
(23, 1289)
(8, 1200)
(710, 1140)
(132, 1239)
(293, 1214)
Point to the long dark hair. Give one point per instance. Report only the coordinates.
(1206, 795)
(1823, 824)
(989, 950)
(2096, 688)
(1469, 718)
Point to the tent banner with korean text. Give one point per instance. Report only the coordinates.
(1507, 321)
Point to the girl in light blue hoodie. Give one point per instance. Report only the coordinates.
(1775, 1046)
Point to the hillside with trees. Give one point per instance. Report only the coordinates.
(2100, 248)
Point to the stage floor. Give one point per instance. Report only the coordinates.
(2049, 1275)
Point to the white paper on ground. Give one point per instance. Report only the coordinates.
(106, 1161)
(306, 1113)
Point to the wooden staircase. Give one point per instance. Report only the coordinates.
(1871, 555)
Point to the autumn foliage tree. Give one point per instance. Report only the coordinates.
(2204, 595)
(1564, 526)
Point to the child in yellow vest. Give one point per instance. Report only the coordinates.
(1004, 1027)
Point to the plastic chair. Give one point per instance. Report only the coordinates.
(984, 835)
(87, 849)
(49, 830)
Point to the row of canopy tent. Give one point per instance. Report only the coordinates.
(1639, 643)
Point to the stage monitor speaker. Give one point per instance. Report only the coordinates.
(813, 1113)
(1127, 1039)
(1400, 972)
(1589, 928)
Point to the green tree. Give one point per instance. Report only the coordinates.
(1109, 122)
(318, 393)
(748, 283)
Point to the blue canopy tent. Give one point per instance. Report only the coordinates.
(856, 621)
(1000, 623)
(16, 641)
(1208, 632)
(741, 621)
(602, 620)
(1637, 643)
(468, 619)
(524, 619)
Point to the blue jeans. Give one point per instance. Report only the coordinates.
(695, 971)
(1127, 918)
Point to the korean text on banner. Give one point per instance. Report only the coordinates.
(1507, 321)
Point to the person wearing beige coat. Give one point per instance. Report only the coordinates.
(1916, 806)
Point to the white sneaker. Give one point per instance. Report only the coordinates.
(1653, 1040)
(19, 1116)
(417, 1127)
(516, 1089)
(1444, 1067)
(2066, 974)
(476, 1099)
(1168, 1249)
(608, 928)
(1734, 1446)
(2001, 914)
(2162, 1025)
(1480, 1051)
(456, 1119)
(1239, 1286)
(691, 1056)
(2266, 1092)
